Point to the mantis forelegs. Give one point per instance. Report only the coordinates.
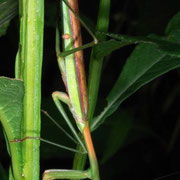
(66, 174)
(60, 96)
(74, 174)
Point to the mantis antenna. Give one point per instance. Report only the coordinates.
(59, 126)
(48, 142)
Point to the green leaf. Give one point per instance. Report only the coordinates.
(145, 64)
(162, 44)
(173, 24)
(170, 44)
(107, 47)
(3, 29)
(173, 29)
(119, 127)
(8, 10)
(11, 99)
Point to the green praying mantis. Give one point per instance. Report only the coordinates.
(73, 75)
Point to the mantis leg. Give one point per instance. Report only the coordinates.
(65, 174)
(91, 173)
(57, 97)
(82, 47)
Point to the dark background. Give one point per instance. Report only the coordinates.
(150, 148)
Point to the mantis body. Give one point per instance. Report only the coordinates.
(73, 75)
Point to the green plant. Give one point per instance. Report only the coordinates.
(153, 56)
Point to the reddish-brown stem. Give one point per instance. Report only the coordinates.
(91, 153)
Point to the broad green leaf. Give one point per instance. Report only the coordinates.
(173, 24)
(119, 127)
(107, 47)
(146, 63)
(143, 58)
(170, 44)
(11, 99)
(173, 29)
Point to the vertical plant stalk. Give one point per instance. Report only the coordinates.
(28, 68)
(94, 73)
(91, 153)
(79, 159)
(96, 64)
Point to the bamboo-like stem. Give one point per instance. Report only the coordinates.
(31, 49)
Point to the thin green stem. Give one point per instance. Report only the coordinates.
(31, 35)
(96, 64)
(79, 159)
